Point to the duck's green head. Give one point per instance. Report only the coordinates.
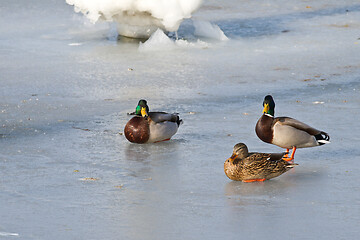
(269, 105)
(142, 104)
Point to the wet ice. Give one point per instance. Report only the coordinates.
(67, 172)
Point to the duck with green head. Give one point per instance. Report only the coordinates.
(149, 127)
(253, 166)
(287, 132)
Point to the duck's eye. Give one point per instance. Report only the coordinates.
(228, 160)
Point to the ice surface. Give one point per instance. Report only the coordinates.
(67, 172)
(138, 18)
(208, 30)
(157, 42)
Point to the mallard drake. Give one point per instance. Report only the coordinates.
(251, 167)
(287, 132)
(149, 127)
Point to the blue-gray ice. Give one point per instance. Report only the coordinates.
(67, 172)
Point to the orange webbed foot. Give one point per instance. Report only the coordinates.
(286, 156)
(286, 153)
(255, 180)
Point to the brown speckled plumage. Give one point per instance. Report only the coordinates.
(244, 166)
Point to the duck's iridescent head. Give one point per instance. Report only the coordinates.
(269, 105)
(142, 104)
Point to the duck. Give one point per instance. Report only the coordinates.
(151, 127)
(254, 166)
(287, 132)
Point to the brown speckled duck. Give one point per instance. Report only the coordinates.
(287, 132)
(150, 127)
(251, 167)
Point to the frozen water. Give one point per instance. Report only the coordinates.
(66, 86)
(208, 30)
(157, 42)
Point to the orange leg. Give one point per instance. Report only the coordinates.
(255, 180)
(286, 153)
(287, 158)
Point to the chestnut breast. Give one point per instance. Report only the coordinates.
(137, 130)
(263, 128)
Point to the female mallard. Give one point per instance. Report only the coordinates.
(251, 167)
(287, 132)
(149, 127)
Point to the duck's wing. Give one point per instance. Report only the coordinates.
(163, 116)
(263, 164)
(298, 125)
(257, 159)
(258, 165)
(275, 156)
(255, 156)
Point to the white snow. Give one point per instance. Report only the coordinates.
(138, 18)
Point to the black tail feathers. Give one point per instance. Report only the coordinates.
(179, 121)
(322, 138)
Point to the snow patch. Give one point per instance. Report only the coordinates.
(138, 18)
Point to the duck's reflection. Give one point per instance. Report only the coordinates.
(240, 193)
(146, 152)
(137, 152)
(151, 196)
